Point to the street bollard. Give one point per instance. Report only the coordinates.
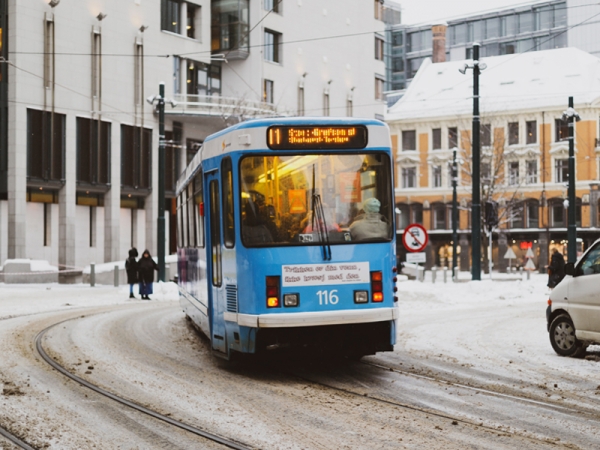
(421, 273)
(433, 274)
(445, 274)
(528, 275)
(92, 274)
(521, 272)
(116, 276)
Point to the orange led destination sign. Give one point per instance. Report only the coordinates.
(317, 137)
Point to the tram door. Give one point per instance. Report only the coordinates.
(215, 265)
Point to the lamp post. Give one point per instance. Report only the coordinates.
(454, 215)
(570, 115)
(476, 195)
(160, 231)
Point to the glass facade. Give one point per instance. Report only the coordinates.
(229, 27)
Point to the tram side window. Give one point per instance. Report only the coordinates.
(228, 213)
(198, 206)
(215, 233)
(191, 216)
(179, 222)
(184, 219)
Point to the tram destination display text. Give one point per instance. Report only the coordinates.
(316, 137)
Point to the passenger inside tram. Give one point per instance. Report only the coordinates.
(369, 224)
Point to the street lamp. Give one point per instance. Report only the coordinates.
(570, 115)
(160, 104)
(476, 203)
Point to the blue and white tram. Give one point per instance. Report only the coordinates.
(286, 237)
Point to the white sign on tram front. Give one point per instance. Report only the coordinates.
(324, 274)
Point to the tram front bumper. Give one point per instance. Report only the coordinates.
(307, 319)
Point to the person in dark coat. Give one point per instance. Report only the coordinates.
(131, 267)
(146, 268)
(556, 269)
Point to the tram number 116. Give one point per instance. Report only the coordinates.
(328, 297)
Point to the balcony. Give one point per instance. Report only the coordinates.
(217, 106)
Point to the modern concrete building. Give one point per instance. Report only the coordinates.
(523, 158)
(532, 26)
(78, 141)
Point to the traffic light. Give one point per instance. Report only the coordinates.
(491, 214)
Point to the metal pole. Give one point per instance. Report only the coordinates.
(490, 255)
(161, 183)
(454, 215)
(572, 227)
(476, 203)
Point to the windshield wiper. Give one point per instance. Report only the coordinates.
(319, 215)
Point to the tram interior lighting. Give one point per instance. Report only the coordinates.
(361, 296)
(291, 299)
(290, 166)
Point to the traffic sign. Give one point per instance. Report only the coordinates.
(416, 257)
(415, 238)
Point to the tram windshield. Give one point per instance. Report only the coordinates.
(315, 199)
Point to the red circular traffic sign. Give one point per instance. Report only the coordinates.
(415, 238)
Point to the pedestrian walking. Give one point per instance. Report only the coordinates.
(131, 267)
(146, 268)
(556, 269)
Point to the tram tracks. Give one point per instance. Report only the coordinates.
(224, 441)
(14, 439)
(362, 391)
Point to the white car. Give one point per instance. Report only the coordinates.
(573, 312)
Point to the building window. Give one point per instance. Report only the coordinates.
(533, 214)
(300, 100)
(48, 50)
(203, 79)
(513, 133)
(517, 215)
(561, 128)
(452, 138)
(531, 130)
(378, 48)
(379, 88)
(532, 171)
(436, 175)
(439, 217)
(561, 170)
(416, 213)
(486, 172)
(436, 138)
(378, 9)
(273, 5)
(486, 135)
(559, 214)
(96, 62)
(45, 145)
(93, 151)
(136, 146)
(513, 173)
(272, 40)
(268, 91)
(409, 140)
(402, 216)
(171, 10)
(409, 177)
(192, 11)
(229, 30)
(173, 145)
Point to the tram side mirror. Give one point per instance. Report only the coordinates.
(570, 269)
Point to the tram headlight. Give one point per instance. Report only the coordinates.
(291, 299)
(361, 296)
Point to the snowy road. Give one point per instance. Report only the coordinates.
(486, 335)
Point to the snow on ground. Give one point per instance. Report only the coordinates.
(22, 299)
(491, 327)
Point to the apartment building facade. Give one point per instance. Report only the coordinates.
(79, 141)
(524, 153)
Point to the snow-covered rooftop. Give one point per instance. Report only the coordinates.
(531, 81)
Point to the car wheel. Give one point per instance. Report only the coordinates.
(562, 337)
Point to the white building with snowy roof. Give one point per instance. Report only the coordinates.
(524, 149)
